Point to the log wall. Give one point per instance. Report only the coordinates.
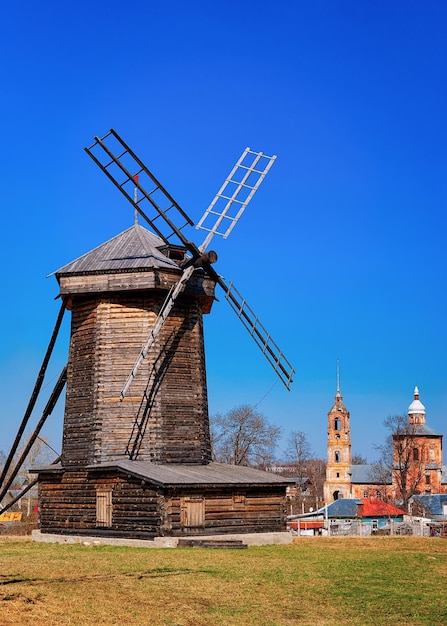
(68, 505)
(230, 510)
(168, 396)
(142, 510)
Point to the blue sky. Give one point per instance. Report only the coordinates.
(342, 251)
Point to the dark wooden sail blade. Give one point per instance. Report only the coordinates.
(127, 172)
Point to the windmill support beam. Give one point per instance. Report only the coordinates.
(24, 491)
(34, 395)
(46, 412)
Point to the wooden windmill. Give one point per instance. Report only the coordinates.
(136, 455)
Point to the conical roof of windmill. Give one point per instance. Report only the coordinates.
(134, 260)
(131, 250)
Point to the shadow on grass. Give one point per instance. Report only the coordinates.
(158, 572)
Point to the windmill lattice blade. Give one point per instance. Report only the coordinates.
(163, 314)
(167, 219)
(127, 171)
(233, 197)
(269, 348)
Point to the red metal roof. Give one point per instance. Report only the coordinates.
(378, 508)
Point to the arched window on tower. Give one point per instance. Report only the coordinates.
(415, 454)
(337, 423)
(337, 456)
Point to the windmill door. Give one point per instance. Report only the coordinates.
(104, 508)
(192, 512)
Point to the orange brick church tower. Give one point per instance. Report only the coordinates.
(338, 469)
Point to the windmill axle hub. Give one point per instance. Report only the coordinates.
(207, 258)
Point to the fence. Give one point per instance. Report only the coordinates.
(364, 529)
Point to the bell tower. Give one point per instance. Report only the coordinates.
(339, 454)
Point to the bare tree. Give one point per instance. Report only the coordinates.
(298, 453)
(40, 453)
(401, 457)
(358, 459)
(243, 437)
(316, 469)
(299, 450)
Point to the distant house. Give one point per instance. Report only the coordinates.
(297, 492)
(433, 506)
(300, 486)
(339, 516)
(378, 513)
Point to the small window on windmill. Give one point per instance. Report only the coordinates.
(176, 253)
(192, 512)
(104, 508)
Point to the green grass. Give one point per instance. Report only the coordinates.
(315, 581)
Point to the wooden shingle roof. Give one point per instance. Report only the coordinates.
(211, 474)
(135, 249)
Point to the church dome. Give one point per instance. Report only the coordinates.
(416, 407)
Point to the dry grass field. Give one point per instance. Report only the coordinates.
(316, 581)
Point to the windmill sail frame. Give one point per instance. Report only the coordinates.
(225, 210)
